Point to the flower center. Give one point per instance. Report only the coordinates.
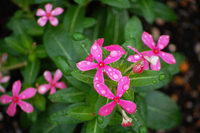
(101, 64)
(15, 99)
(156, 51)
(116, 99)
(52, 84)
(48, 14)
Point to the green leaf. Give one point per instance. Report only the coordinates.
(40, 51)
(115, 24)
(31, 71)
(92, 127)
(73, 17)
(92, 98)
(7, 49)
(136, 9)
(129, 94)
(117, 3)
(40, 102)
(27, 41)
(89, 22)
(16, 25)
(82, 113)
(35, 30)
(63, 65)
(116, 119)
(141, 106)
(81, 2)
(69, 95)
(32, 116)
(161, 116)
(147, 77)
(164, 12)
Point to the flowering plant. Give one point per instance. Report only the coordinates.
(108, 77)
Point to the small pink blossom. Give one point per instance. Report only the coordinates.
(126, 121)
(52, 82)
(17, 99)
(162, 42)
(48, 14)
(123, 85)
(4, 79)
(96, 52)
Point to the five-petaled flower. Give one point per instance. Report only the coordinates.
(48, 14)
(4, 79)
(162, 42)
(123, 85)
(96, 52)
(52, 82)
(17, 99)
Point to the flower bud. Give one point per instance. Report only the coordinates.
(138, 68)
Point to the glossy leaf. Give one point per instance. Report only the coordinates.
(117, 3)
(129, 94)
(80, 1)
(116, 119)
(92, 127)
(141, 106)
(40, 102)
(163, 113)
(92, 98)
(88, 22)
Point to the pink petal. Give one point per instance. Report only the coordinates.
(113, 73)
(47, 76)
(103, 90)
(43, 88)
(114, 56)
(169, 58)
(147, 53)
(42, 21)
(11, 109)
(134, 58)
(148, 40)
(16, 87)
(146, 64)
(53, 21)
(53, 90)
(123, 85)
(100, 42)
(86, 65)
(115, 47)
(128, 106)
(57, 11)
(40, 12)
(26, 107)
(2, 89)
(156, 67)
(6, 99)
(96, 52)
(5, 79)
(48, 7)
(57, 75)
(99, 76)
(107, 109)
(162, 41)
(90, 58)
(28, 93)
(61, 85)
(134, 49)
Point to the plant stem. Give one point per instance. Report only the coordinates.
(19, 65)
(131, 66)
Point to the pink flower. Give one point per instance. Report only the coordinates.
(126, 121)
(162, 42)
(96, 52)
(3, 80)
(52, 83)
(123, 86)
(17, 99)
(109, 48)
(48, 14)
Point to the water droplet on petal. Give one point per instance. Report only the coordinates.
(109, 69)
(88, 63)
(126, 87)
(113, 53)
(127, 108)
(115, 76)
(94, 47)
(103, 91)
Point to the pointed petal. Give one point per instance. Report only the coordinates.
(2, 89)
(96, 52)
(48, 7)
(28, 93)
(123, 85)
(53, 90)
(156, 67)
(98, 76)
(103, 90)
(100, 42)
(90, 58)
(16, 87)
(113, 73)
(57, 75)
(115, 55)
(11, 109)
(6, 99)
(162, 41)
(26, 107)
(146, 64)
(128, 106)
(40, 12)
(107, 109)
(53, 21)
(57, 11)
(42, 21)
(86, 65)
(134, 58)
(47, 76)
(61, 85)
(5, 79)
(168, 58)
(43, 88)
(148, 40)
(115, 47)
(134, 49)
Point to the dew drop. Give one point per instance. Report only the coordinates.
(143, 129)
(162, 77)
(78, 36)
(88, 63)
(94, 47)
(103, 91)
(135, 119)
(115, 76)
(126, 87)
(154, 81)
(113, 53)
(100, 119)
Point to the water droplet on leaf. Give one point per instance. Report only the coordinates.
(143, 129)
(83, 45)
(100, 119)
(162, 77)
(135, 119)
(154, 81)
(78, 36)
